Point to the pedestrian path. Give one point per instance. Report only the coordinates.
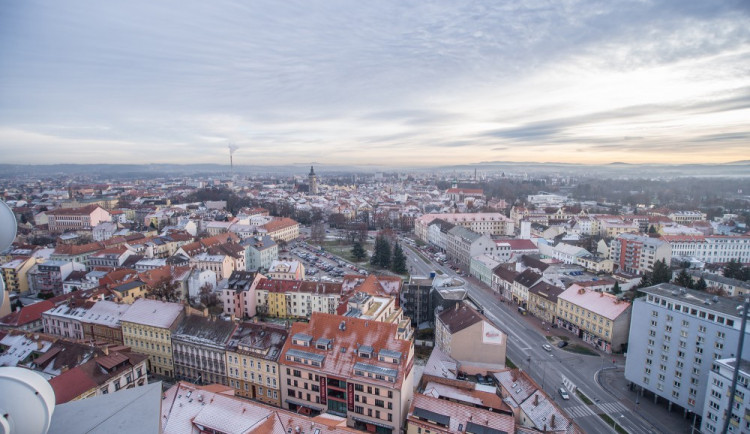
(586, 410)
(579, 411)
(613, 407)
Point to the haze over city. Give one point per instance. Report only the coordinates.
(390, 83)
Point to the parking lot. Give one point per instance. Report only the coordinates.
(320, 264)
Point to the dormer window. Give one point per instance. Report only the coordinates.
(366, 351)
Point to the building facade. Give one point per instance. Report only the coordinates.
(147, 328)
(253, 361)
(351, 368)
(675, 337)
(637, 254)
(600, 319)
(198, 344)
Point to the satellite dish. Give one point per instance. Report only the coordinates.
(7, 226)
(27, 401)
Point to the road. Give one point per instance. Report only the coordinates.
(546, 368)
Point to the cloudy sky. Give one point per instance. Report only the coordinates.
(383, 82)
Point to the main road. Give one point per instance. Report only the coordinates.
(548, 368)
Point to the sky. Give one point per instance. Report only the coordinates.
(402, 83)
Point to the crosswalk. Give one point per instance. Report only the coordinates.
(579, 411)
(586, 410)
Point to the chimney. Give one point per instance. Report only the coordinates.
(536, 400)
(552, 421)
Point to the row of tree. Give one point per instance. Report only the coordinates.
(386, 257)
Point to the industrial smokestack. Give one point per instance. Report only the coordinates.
(232, 147)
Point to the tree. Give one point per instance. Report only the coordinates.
(701, 285)
(651, 229)
(616, 290)
(661, 273)
(381, 256)
(165, 289)
(683, 279)
(733, 269)
(207, 295)
(399, 260)
(358, 252)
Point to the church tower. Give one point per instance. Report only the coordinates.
(312, 180)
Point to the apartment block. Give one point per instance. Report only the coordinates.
(351, 368)
(637, 254)
(198, 349)
(237, 294)
(469, 337)
(75, 219)
(101, 323)
(599, 318)
(281, 229)
(253, 361)
(296, 298)
(710, 249)
(675, 337)
(490, 223)
(147, 328)
(716, 406)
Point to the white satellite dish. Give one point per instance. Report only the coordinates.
(27, 401)
(7, 226)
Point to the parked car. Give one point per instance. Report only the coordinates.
(547, 347)
(480, 378)
(561, 344)
(564, 393)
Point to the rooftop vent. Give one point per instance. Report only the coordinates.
(342, 326)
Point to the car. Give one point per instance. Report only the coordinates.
(547, 347)
(564, 393)
(480, 378)
(561, 344)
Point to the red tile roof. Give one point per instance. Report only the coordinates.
(27, 314)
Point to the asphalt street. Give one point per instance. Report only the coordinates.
(548, 368)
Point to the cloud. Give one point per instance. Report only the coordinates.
(424, 81)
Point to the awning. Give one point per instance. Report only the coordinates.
(302, 403)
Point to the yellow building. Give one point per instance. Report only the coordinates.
(277, 304)
(131, 291)
(599, 318)
(147, 328)
(14, 273)
(252, 362)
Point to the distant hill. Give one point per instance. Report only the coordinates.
(616, 169)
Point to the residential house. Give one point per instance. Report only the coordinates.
(147, 328)
(198, 349)
(600, 319)
(253, 361)
(351, 368)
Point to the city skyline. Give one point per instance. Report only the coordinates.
(387, 83)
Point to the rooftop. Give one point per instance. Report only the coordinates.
(600, 303)
(153, 313)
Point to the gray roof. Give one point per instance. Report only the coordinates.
(703, 300)
(389, 353)
(375, 369)
(130, 410)
(466, 234)
(306, 355)
(432, 416)
(204, 330)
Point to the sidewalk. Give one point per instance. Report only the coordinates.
(613, 380)
(612, 377)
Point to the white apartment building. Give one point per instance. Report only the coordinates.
(676, 335)
(717, 397)
(710, 249)
(490, 223)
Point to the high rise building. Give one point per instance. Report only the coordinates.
(676, 335)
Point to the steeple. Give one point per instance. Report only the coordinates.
(312, 172)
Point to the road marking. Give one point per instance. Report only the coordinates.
(579, 411)
(613, 407)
